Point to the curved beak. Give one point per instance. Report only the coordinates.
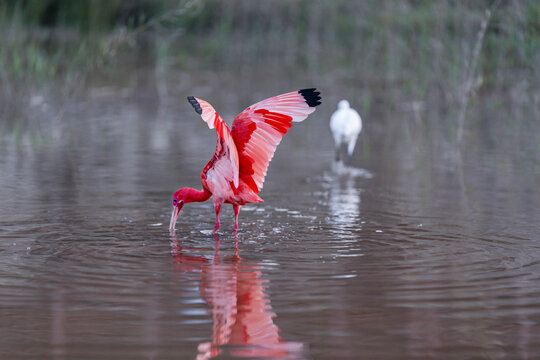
(174, 215)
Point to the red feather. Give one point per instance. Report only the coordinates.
(258, 130)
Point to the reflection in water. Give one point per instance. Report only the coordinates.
(344, 200)
(241, 311)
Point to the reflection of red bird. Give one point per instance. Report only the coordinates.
(241, 312)
(236, 172)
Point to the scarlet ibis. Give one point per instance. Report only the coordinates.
(236, 172)
(345, 124)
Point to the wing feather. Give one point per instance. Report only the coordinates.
(225, 141)
(258, 130)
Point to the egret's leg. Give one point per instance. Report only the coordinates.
(217, 207)
(236, 209)
(350, 147)
(338, 148)
(337, 142)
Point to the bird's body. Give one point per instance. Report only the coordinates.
(346, 125)
(236, 172)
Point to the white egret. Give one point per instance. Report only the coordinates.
(346, 125)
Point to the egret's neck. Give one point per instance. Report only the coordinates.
(195, 195)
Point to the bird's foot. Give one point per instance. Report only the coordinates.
(215, 228)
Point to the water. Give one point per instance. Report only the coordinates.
(418, 251)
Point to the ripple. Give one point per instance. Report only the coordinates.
(440, 261)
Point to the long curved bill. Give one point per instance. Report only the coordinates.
(174, 217)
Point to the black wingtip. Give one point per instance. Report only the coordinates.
(195, 104)
(311, 96)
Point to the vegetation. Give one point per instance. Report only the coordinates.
(422, 48)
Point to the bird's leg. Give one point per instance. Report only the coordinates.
(348, 155)
(349, 160)
(338, 148)
(350, 148)
(236, 209)
(217, 207)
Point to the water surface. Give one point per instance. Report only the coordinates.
(419, 251)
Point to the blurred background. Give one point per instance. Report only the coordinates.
(415, 57)
(428, 249)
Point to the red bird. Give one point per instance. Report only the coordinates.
(235, 175)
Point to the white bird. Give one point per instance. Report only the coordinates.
(345, 124)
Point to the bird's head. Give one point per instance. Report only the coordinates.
(343, 104)
(180, 198)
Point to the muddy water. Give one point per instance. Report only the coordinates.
(417, 251)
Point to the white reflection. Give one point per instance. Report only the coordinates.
(344, 195)
(344, 202)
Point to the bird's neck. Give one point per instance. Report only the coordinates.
(195, 195)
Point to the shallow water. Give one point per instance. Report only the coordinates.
(417, 251)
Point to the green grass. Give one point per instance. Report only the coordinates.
(422, 40)
(418, 49)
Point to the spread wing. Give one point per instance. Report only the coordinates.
(225, 161)
(258, 130)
